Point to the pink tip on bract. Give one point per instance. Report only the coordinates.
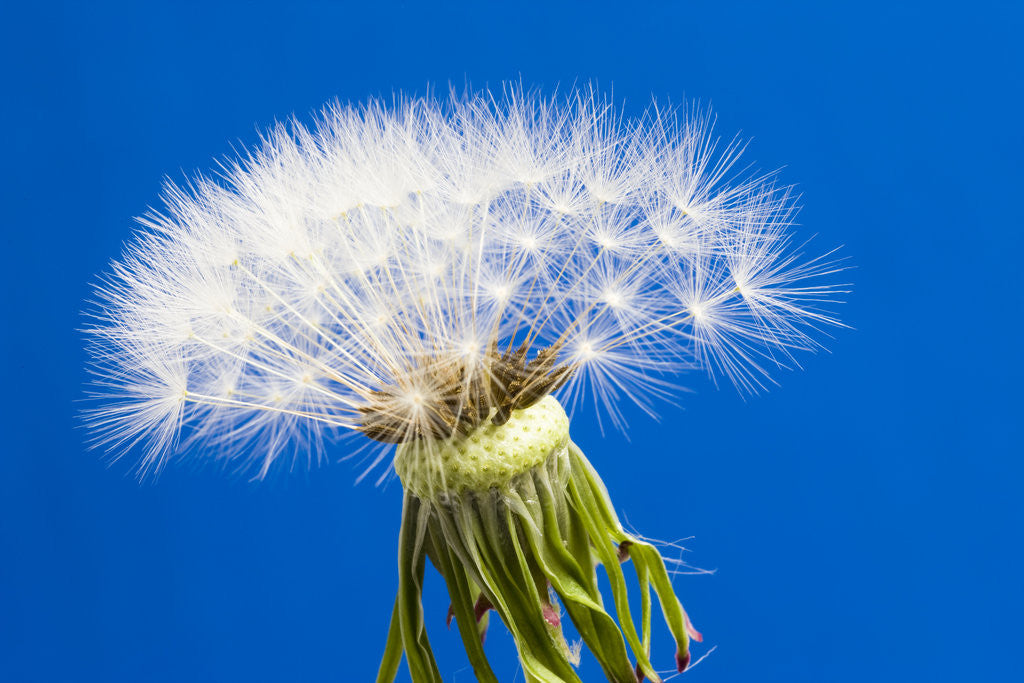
(551, 615)
(691, 631)
(481, 607)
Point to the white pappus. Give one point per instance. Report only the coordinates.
(342, 258)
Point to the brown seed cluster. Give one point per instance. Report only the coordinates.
(459, 398)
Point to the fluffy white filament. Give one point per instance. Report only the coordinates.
(264, 305)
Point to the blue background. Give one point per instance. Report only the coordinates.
(864, 517)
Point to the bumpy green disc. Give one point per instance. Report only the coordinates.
(490, 456)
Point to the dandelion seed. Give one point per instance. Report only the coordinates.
(430, 276)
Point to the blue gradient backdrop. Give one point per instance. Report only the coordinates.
(864, 517)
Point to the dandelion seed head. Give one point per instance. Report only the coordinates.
(411, 269)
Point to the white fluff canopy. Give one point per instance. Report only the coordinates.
(383, 261)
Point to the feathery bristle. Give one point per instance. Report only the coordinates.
(406, 271)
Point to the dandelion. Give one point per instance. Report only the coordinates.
(428, 277)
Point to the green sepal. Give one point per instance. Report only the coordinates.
(541, 533)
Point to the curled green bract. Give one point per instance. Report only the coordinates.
(529, 529)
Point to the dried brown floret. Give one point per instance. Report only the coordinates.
(461, 398)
